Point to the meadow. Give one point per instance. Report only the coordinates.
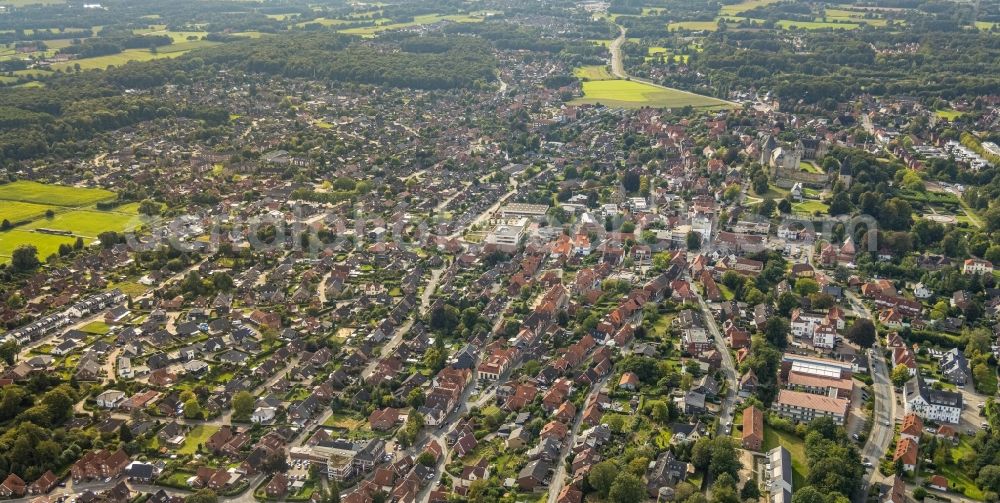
(632, 94)
(694, 26)
(87, 223)
(102, 62)
(739, 8)
(593, 72)
(815, 25)
(47, 244)
(56, 195)
(74, 212)
(15, 211)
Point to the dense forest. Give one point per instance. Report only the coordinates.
(438, 63)
(836, 65)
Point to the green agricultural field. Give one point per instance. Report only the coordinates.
(88, 223)
(370, 31)
(103, 62)
(176, 36)
(815, 25)
(185, 46)
(694, 26)
(326, 21)
(56, 195)
(632, 94)
(16, 211)
(47, 244)
(735, 9)
(593, 72)
(852, 16)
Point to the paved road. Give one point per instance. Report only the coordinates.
(884, 412)
(559, 477)
(728, 368)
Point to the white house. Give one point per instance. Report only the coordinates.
(977, 266)
(931, 404)
(824, 336)
(805, 323)
(778, 475)
(263, 415)
(125, 370)
(921, 291)
(110, 399)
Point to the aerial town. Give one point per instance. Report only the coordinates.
(492, 251)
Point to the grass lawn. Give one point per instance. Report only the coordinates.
(57, 195)
(632, 94)
(810, 206)
(96, 327)
(949, 114)
(737, 430)
(774, 192)
(981, 25)
(593, 72)
(88, 223)
(694, 26)
(957, 475)
(726, 292)
(344, 421)
(197, 436)
(988, 387)
(796, 447)
(178, 478)
(131, 288)
(16, 211)
(810, 167)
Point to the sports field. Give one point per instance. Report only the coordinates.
(632, 94)
(56, 195)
